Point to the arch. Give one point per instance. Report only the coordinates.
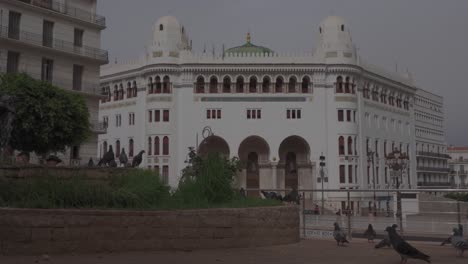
(347, 85)
(253, 151)
(279, 84)
(292, 84)
(157, 85)
(350, 146)
(156, 146)
(293, 151)
(254, 144)
(166, 87)
(121, 92)
(117, 148)
(305, 84)
(240, 84)
(150, 85)
(165, 148)
(213, 144)
(135, 89)
(129, 90)
(339, 84)
(253, 84)
(266, 84)
(104, 146)
(341, 147)
(150, 146)
(227, 84)
(200, 85)
(213, 87)
(130, 147)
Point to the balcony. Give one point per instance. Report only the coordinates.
(433, 154)
(99, 127)
(53, 43)
(60, 8)
(432, 169)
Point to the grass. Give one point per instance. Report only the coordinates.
(138, 190)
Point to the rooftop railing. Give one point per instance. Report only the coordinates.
(433, 154)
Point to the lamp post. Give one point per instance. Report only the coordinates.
(322, 179)
(370, 159)
(398, 162)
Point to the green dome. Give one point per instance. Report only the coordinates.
(249, 48)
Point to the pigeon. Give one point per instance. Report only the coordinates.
(123, 158)
(339, 235)
(113, 164)
(106, 159)
(403, 248)
(385, 242)
(370, 233)
(138, 159)
(449, 239)
(90, 163)
(458, 242)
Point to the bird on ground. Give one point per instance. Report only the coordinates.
(458, 242)
(403, 248)
(108, 156)
(123, 158)
(449, 239)
(138, 159)
(339, 235)
(370, 233)
(385, 242)
(90, 162)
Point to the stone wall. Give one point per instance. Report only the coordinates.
(35, 231)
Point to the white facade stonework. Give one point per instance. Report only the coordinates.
(277, 113)
(458, 165)
(68, 55)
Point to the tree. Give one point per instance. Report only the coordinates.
(48, 118)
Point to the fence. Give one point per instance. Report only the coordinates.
(425, 213)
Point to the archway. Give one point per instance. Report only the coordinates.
(254, 155)
(213, 144)
(294, 167)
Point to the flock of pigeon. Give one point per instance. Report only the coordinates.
(403, 248)
(109, 159)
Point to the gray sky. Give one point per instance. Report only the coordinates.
(430, 37)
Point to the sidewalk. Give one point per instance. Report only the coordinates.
(307, 251)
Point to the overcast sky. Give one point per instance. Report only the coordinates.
(429, 37)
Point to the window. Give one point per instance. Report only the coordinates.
(213, 113)
(350, 173)
(348, 115)
(340, 116)
(166, 86)
(266, 85)
(354, 116)
(161, 27)
(12, 62)
(156, 146)
(165, 115)
(279, 85)
(339, 84)
(157, 115)
(47, 70)
(165, 174)
(342, 174)
(165, 146)
(150, 145)
(341, 147)
(47, 33)
(131, 119)
(75, 153)
(117, 148)
(240, 84)
(118, 120)
(156, 169)
(157, 87)
(200, 85)
(347, 85)
(377, 175)
(305, 84)
(105, 120)
(253, 85)
(350, 146)
(342, 27)
(292, 85)
(227, 85)
(77, 77)
(130, 147)
(14, 21)
(150, 116)
(104, 145)
(254, 114)
(78, 38)
(293, 114)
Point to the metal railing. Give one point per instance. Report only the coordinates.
(421, 168)
(68, 10)
(57, 44)
(432, 154)
(425, 213)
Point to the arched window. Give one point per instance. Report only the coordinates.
(385, 148)
(135, 89)
(121, 92)
(347, 85)
(129, 90)
(350, 146)
(109, 95)
(227, 84)
(116, 92)
(200, 86)
(266, 84)
(130, 147)
(279, 84)
(240, 84)
(165, 146)
(339, 84)
(342, 27)
(161, 27)
(150, 85)
(117, 148)
(157, 84)
(292, 85)
(166, 85)
(305, 84)
(213, 84)
(341, 147)
(104, 146)
(253, 84)
(150, 145)
(156, 146)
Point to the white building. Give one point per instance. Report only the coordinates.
(277, 113)
(57, 41)
(458, 172)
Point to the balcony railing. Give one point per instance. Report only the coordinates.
(432, 154)
(419, 168)
(68, 10)
(57, 44)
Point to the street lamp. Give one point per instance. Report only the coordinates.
(397, 162)
(322, 178)
(370, 159)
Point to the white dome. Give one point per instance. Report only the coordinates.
(335, 42)
(168, 36)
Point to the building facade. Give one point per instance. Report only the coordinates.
(57, 41)
(277, 113)
(457, 163)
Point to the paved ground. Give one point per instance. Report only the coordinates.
(307, 251)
